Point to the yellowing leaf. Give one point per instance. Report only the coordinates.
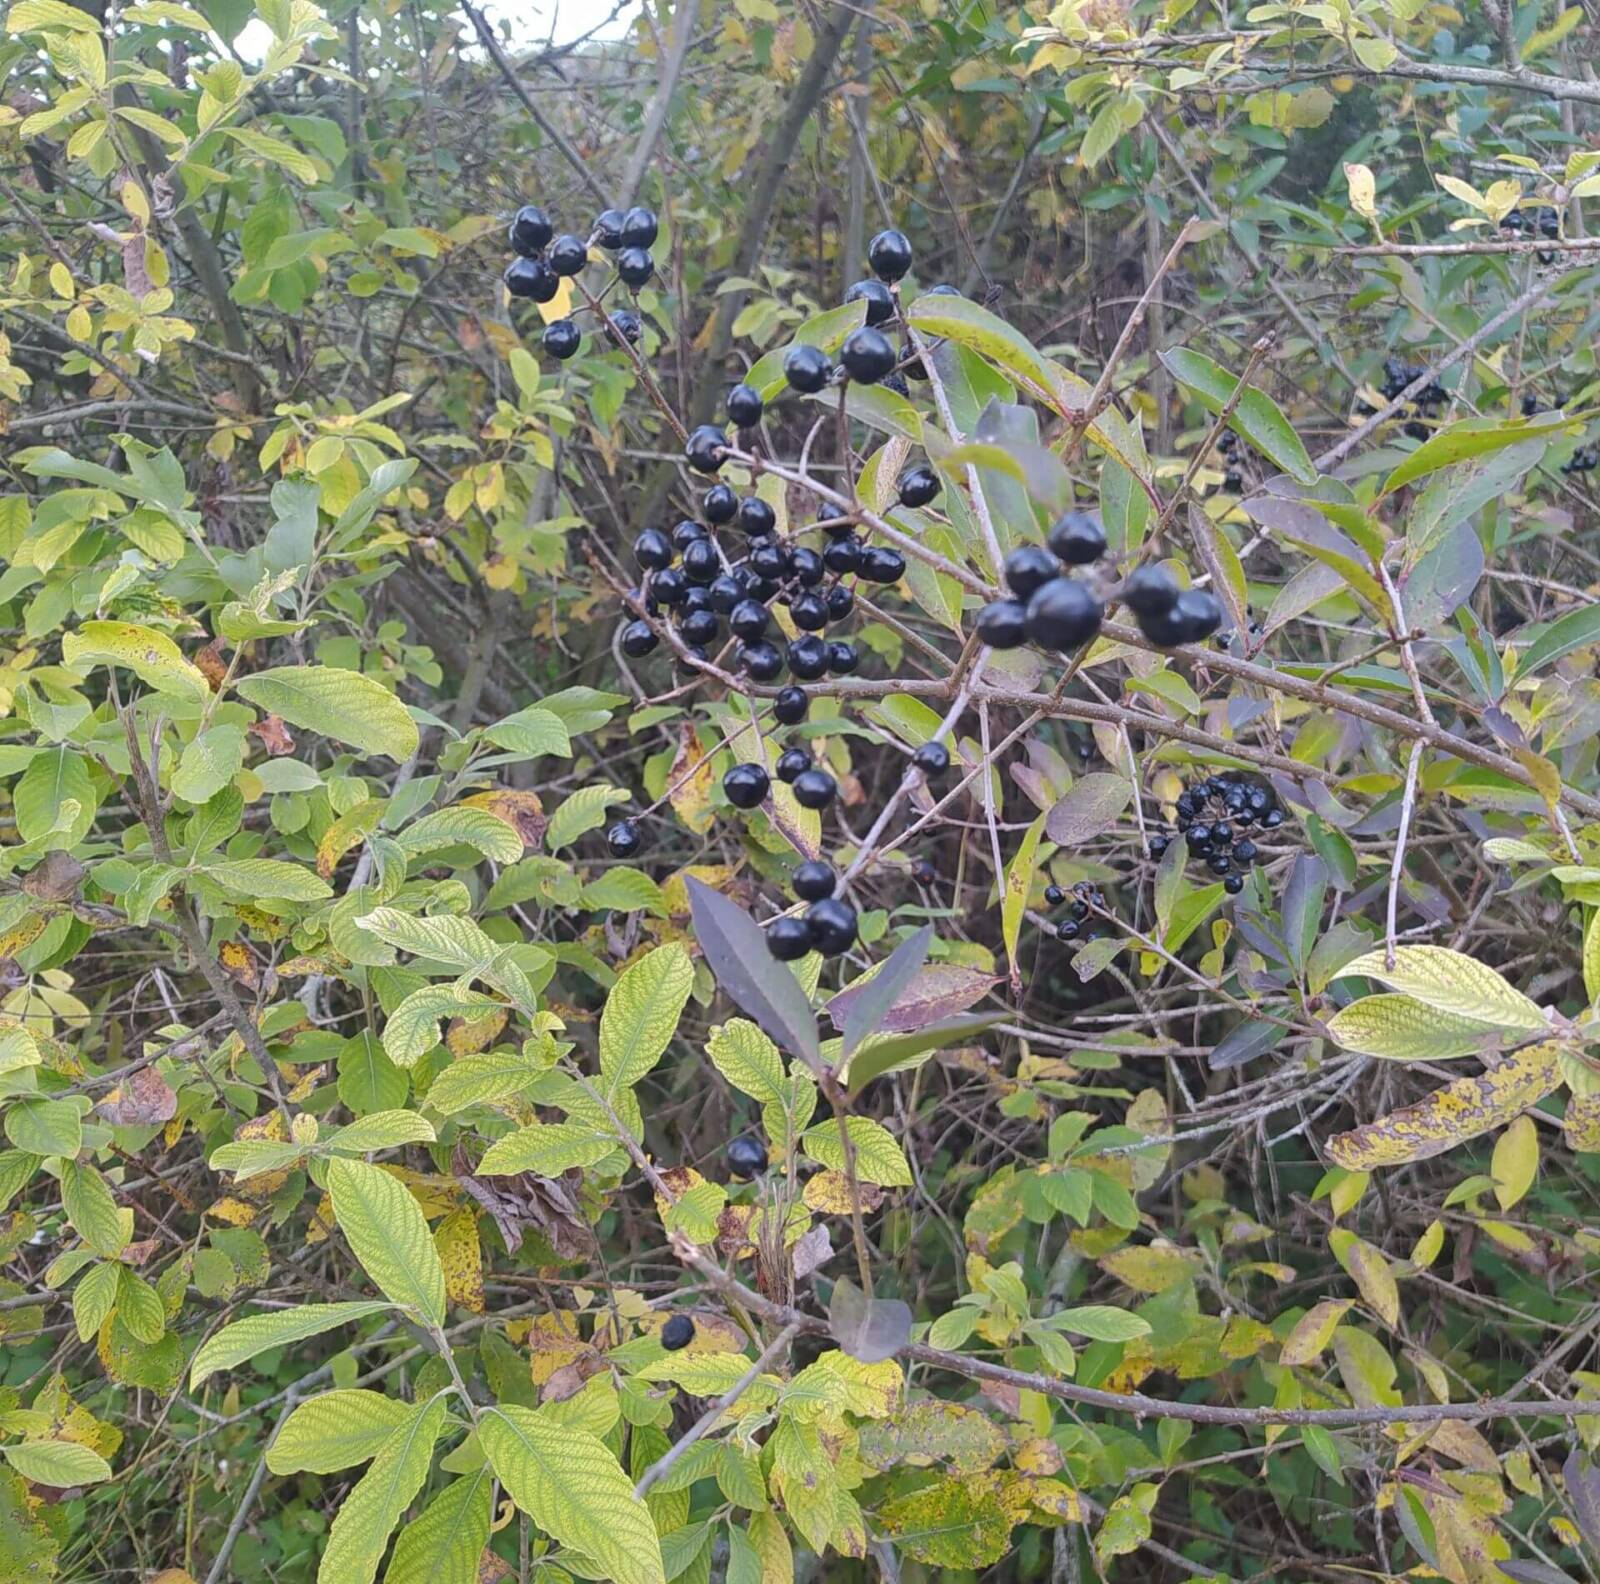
(1313, 1331)
(1363, 191)
(1449, 1116)
(455, 1240)
(1453, 983)
(152, 656)
(1516, 1161)
(1370, 1272)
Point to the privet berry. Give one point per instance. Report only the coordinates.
(746, 785)
(635, 266)
(1063, 614)
(867, 355)
(1002, 624)
(889, 255)
(744, 407)
(652, 549)
(791, 763)
(706, 448)
(762, 661)
(932, 759)
(1078, 538)
(813, 880)
(918, 484)
(1028, 568)
(788, 939)
(607, 229)
(755, 516)
(568, 254)
(880, 564)
(843, 657)
(531, 278)
(789, 707)
(815, 789)
(808, 658)
(561, 338)
(832, 923)
(677, 1333)
(623, 839)
(531, 231)
(638, 639)
(747, 1157)
(806, 368)
(719, 503)
(639, 227)
(880, 304)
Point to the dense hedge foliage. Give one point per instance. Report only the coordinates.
(684, 897)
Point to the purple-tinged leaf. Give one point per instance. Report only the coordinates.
(865, 1014)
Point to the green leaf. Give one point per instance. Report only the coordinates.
(344, 705)
(209, 763)
(483, 1079)
(879, 1158)
(743, 1054)
(1090, 810)
(444, 1544)
(546, 1149)
(641, 1015)
(1256, 417)
(59, 1463)
(625, 890)
(92, 1209)
(362, 1527)
(152, 656)
(268, 878)
(572, 1487)
(1019, 886)
(45, 1127)
(94, 1298)
(1101, 1323)
(1469, 438)
(244, 1339)
(583, 811)
(380, 1130)
(1578, 629)
(335, 1431)
(412, 1029)
(388, 1234)
(530, 733)
(1452, 982)
(1401, 1028)
(472, 827)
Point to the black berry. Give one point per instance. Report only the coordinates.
(677, 1333)
(880, 304)
(814, 880)
(762, 661)
(880, 564)
(568, 254)
(809, 612)
(918, 484)
(701, 563)
(805, 565)
(607, 229)
(639, 227)
(1150, 591)
(652, 549)
(531, 277)
(788, 939)
(705, 448)
(700, 627)
(1063, 614)
(623, 839)
(747, 1157)
(744, 407)
(755, 516)
(842, 657)
(719, 503)
(1078, 538)
(1028, 568)
(638, 639)
(789, 707)
(1001, 624)
(749, 620)
(561, 338)
(531, 231)
(791, 763)
(687, 533)
(1054, 896)
(889, 255)
(932, 759)
(867, 355)
(832, 923)
(815, 789)
(841, 601)
(842, 555)
(806, 368)
(808, 658)
(635, 266)
(746, 785)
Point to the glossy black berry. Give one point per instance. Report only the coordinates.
(568, 254)
(1028, 568)
(842, 555)
(1166, 629)
(1068, 930)
(1233, 884)
(1150, 591)
(719, 503)
(788, 939)
(805, 566)
(790, 706)
(746, 785)
(724, 593)
(635, 266)
(652, 549)
(808, 657)
(932, 759)
(881, 564)
(1001, 624)
(918, 484)
(749, 620)
(533, 278)
(832, 924)
(638, 639)
(623, 839)
(677, 1333)
(792, 762)
(747, 1157)
(1159, 845)
(889, 255)
(669, 586)
(843, 657)
(705, 448)
(701, 562)
(809, 612)
(770, 560)
(1199, 837)
(1078, 538)
(806, 368)
(1054, 895)
(627, 324)
(744, 407)
(1244, 852)
(639, 227)
(762, 661)
(755, 516)
(700, 627)
(1272, 819)
(607, 229)
(1063, 614)
(841, 601)
(1219, 863)
(813, 880)
(561, 338)
(867, 355)
(880, 304)
(531, 231)
(1200, 611)
(815, 789)
(687, 533)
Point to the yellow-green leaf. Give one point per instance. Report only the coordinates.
(1450, 981)
(388, 1234)
(641, 1015)
(1516, 1161)
(152, 656)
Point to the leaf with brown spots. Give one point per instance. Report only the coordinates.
(141, 1099)
(522, 811)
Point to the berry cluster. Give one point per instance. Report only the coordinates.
(1168, 615)
(1087, 899)
(1584, 460)
(1541, 221)
(1228, 445)
(543, 259)
(1397, 375)
(1048, 607)
(1214, 817)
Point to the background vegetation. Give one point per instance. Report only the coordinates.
(365, 1117)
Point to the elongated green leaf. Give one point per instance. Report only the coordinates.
(387, 1232)
(879, 1158)
(571, 1486)
(1101, 1323)
(547, 1149)
(471, 827)
(60, 1463)
(743, 1054)
(1578, 629)
(92, 1209)
(1401, 1028)
(344, 705)
(380, 1130)
(1469, 438)
(1453, 983)
(1019, 885)
(243, 1339)
(641, 1015)
(334, 1431)
(269, 877)
(444, 1544)
(483, 1079)
(364, 1523)
(413, 1027)
(1256, 417)
(152, 656)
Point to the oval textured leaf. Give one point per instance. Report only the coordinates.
(1401, 1028)
(1449, 1116)
(344, 705)
(387, 1233)
(245, 1338)
(1451, 982)
(574, 1489)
